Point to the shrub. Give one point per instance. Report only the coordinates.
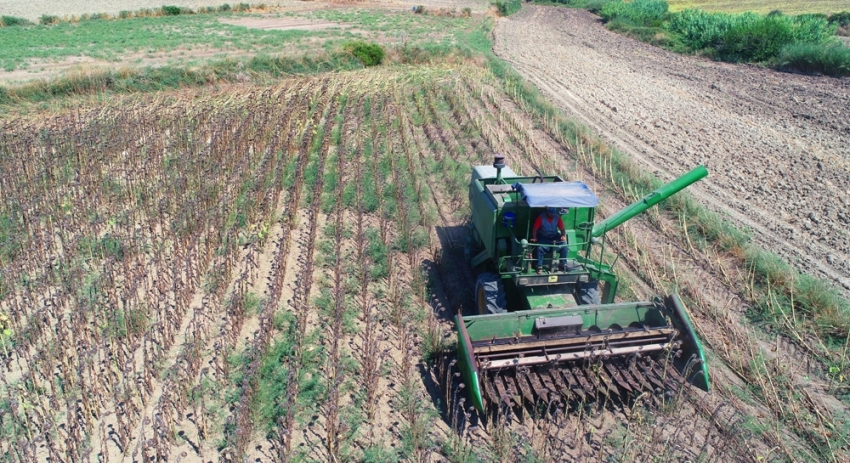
(812, 28)
(747, 36)
(841, 19)
(124, 14)
(370, 54)
(832, 59)
(758, 40)
(507, 7)
(47, 19)
(6, 21)
(595, 6)
(466, 12)
(642, 13)
(170, 10)
(225, 7)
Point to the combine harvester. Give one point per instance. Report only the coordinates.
(553, 333)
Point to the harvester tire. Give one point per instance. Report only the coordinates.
(490, 294)
(588, 293)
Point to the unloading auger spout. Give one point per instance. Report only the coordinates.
(640, 206)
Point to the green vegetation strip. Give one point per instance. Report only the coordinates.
(170, 77)
(803, 43)
(114, 40)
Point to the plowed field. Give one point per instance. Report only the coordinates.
(776, 144)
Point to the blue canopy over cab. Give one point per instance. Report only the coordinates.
(558, 194)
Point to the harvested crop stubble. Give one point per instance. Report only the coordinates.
(173, 228)
(243, 272)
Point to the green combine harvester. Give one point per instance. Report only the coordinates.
(547, 327)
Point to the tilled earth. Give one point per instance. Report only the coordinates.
(776, 144)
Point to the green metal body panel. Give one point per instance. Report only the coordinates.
(490, 202)
(521, 323)
(548, 297)
(691, 345)
(467, 365)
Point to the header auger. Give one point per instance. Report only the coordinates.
(547, 326)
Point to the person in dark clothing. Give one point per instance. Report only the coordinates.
(548, 229)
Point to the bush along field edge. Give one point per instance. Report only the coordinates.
(806, 43)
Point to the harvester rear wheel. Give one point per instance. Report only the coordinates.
(588, 293)
(489, 294)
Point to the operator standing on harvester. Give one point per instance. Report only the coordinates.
(551, 232)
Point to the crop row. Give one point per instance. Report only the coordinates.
(244, 274)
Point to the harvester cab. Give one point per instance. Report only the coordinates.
(546, 324)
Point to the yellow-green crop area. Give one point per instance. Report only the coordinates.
(260, 259)
(790, 7)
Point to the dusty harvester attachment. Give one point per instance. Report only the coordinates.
(547, 325)
(565, 355)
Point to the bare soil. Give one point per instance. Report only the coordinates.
(284, 23)
(775, 143)
(33, 10)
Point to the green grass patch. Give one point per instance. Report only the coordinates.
(644, 13)
(171, 77)
(10, 21)
(141, 36)
(413, 39)
(370, 54)
(399, 29)
(507, 7)
(833, 60)
(803, 43)
(748, 37)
